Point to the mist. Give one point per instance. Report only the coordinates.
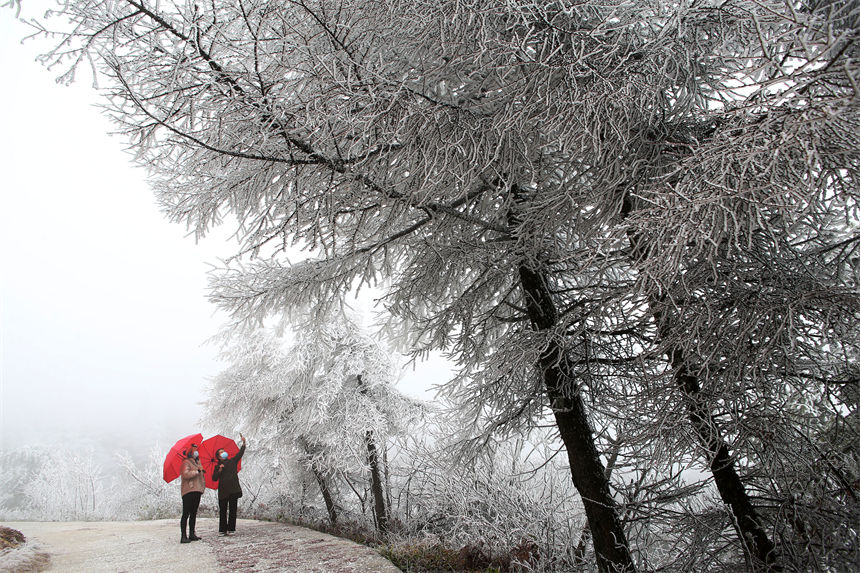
(103, 316)
(104, 321)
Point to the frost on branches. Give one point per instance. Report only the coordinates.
(634, 220)
(329, 398)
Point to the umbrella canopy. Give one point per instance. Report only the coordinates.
(179, 451)
(207, 455)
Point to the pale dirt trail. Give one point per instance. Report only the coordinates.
(153, 546)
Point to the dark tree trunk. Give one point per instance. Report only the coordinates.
(387, 478)
(584, 536)
(376, 487)
(326, 493)
(321, 481)
(589, 478)
(756, 544)
(376, 484)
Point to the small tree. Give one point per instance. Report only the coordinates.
(143, 493)
(67, 487)
(329, 397)
(20, 465)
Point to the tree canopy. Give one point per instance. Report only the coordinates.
(307, 393)
(604, 211)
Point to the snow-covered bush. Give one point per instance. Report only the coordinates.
(513, 507)
(55, 485)
(143, 494)
(272, 486)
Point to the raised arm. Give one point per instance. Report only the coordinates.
(241, 450)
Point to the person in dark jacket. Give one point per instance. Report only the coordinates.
(229, 490)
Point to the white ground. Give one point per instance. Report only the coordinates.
(153, 546)
(114, 547)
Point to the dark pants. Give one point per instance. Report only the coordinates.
(227, 513)
(190, 503)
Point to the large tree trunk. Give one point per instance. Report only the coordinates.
(582, 545)
(376, 488)
(376, 484)
(589, 478)
(326, 493)
(757, 546)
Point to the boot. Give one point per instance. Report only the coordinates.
(191, 523)
(184, 538)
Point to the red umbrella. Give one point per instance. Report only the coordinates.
(179, 451)
(207, 455)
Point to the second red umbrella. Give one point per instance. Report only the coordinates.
(207, 455)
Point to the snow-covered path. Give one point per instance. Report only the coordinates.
(125, 546)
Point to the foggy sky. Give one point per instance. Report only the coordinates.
(103, 315)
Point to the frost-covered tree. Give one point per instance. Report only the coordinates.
(21, 463)
(508, 508)
(140, 491)
(77, 482)
(67, 486)
(329, 397)
(603, 210)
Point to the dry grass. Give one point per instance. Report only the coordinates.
(10, 538)
(415, 557)
(418, 557)
(17, 556)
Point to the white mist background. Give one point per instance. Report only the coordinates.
(103, 316)
(103, 311)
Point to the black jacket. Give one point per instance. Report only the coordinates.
(228, 477)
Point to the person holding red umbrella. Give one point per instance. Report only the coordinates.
(193, 486)
(176, 456)
(229, 490)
